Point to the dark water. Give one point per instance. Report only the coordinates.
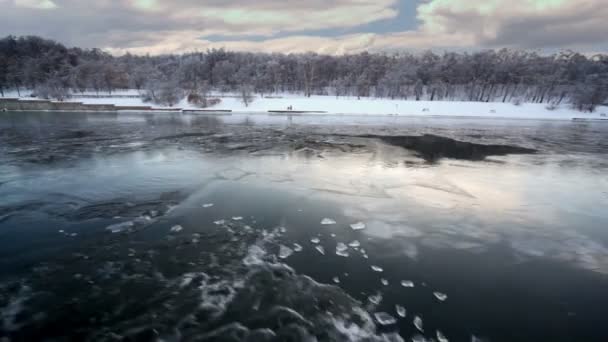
(173, 227)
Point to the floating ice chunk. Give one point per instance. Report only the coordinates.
(365, 256)
(440, 296)
(74, 234)
(237, 218)
(315, 240)
(297, 247)
(207, 205)
(384, 318)
(407, 283)
(219, 222)
(384, 282)
(283, 230)
(320, 249)
(254, 256)
(327, 221)
(377, 268)
(400, 311)
(61, 231)
(336, 280)
(441, 337)
(342, 254)
(419, 338)
(358, 226)
(340, 247)
(285, 252)
(375, 299)
(332, 235)
(355, 244)
(418, 323)
(119, 227)
(176, 229)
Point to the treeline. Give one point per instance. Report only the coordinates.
(504, 75)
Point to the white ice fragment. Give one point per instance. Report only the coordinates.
(285, 252)
(384, 282)
(207, 205)
(320, 249)
(355, 244)
(375, 299)
(336, 280)
(119, 227)
(315, 240)
(342, 254)
(176, 229)
(340, 247)
(407, 283)
(61, 231)
(440, 296)
(327, 221)
(297, 247)
(365, 256)
(237, 218)
(377, 268)
(255, 256)
(384, 318)
(419, 338)
(441, 337)
(219, 222)
(283, 230)
(358, 226)
(418, 323)
(332, 235)
(400, 311)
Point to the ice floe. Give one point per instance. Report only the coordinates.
(285, 252)
(440, 296)
(377, 268)
(441, 337)
(207, 205)
(375, 299)
(384, 282)
(297, 247)
(357, 226)
(320, 249)
(418, 323)
(327, 221)
(315, 240)
(407, 283)
(176, 229)
(384, 318)
(401, 312)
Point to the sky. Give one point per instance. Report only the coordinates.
(322, 26)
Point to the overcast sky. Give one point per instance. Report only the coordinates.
(324, 26)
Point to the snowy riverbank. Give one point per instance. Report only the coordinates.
(323, 105)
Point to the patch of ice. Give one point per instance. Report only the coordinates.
(254, 256)
(340, 247)
(407, 283)
(219, 222)
(176, 229)
(375, 299)
(120, 227)
(327, 221)
(377, 268)
(419, 338)
(384, 318)
(315, 240)
(297, 247)
(332, 235)
(285, 252)
(355, 244)
(342, 254)
(384, 282)
(237, 218)
(336, 280)
(320, 249)
(400, 311)
(282, 230)
(418, 323)
(207, 205)
(358, 226)
(440, 296)
(441, 337)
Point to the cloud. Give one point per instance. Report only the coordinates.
(163, 26)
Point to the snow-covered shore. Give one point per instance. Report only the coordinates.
(324, 105)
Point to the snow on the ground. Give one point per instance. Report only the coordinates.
(363, 106)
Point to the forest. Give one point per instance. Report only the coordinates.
(55, 71)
